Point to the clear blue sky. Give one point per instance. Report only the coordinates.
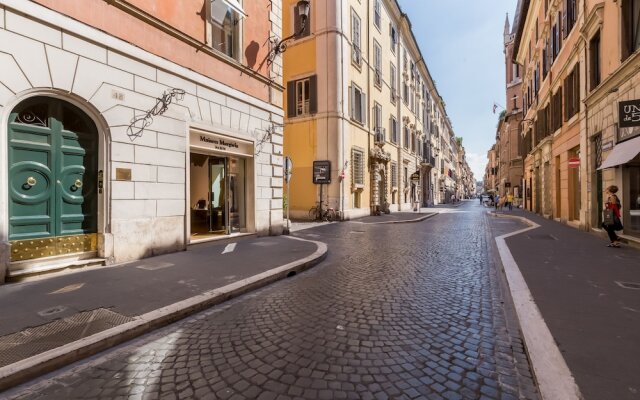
(462, 42)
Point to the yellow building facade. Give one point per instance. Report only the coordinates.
(359, 97)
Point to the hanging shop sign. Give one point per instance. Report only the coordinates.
(629, 120)
(221, 143)
(415, 177)
(322, 172)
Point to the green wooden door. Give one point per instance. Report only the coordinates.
(53, 149)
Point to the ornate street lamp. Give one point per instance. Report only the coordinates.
(280, 46)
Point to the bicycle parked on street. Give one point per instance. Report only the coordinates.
(320, 212)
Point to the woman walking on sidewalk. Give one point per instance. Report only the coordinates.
(612, 222)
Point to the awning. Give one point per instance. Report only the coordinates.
(622, 153)
(237, 7)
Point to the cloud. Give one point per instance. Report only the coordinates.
(477, 163)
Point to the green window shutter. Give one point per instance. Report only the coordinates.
(313, 94)
(291, 99)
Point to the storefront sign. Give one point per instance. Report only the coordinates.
(220, 143)
(322, 172)
(415, 177)
(629, 120)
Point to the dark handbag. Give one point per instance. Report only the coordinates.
(608, 217)
(617, 224)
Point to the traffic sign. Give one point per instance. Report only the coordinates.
(574, 162)
(288, 168)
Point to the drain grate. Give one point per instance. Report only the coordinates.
(33, 341)
(628, 285)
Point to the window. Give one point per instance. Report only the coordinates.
(357, 166)
(377, 117)
(356, 56)
(225, 28)
(394, 174)
(393, 129)
(405, 142)
(377, 63)
(570, 14)
(572, 93)
(358, 105)
(406, 177)
(394, 38)
(630, 27)
(594, 61)
(377, 13)
(302, 97)
(393, 78)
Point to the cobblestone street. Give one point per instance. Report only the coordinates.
(395, 311)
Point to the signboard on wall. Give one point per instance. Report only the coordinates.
(221, 143)
(628, 120)
(322, 172)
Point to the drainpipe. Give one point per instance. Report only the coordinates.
(341, 133)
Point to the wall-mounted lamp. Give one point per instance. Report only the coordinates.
(280, 46)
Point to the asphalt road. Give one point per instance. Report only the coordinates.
(395, 311)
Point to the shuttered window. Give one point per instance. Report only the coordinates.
(630, 27)
(357, 165)
(377, 63)
(394, 174)
(358, 105)
(393, 79)
(572, 93)
(377, 13)
(393, 129)
(302, 97)
(356, 56)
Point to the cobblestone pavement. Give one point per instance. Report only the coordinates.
(396, 311)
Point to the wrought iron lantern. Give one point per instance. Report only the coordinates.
(280, 46)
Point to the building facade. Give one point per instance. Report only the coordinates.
(580, 62)
(132, 128)
(359, 99)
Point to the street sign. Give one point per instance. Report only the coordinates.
(322, 172)
(288, 168)
(574, 162)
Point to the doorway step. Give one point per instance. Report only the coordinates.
(24, 270)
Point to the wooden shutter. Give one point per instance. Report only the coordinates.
(291, 99)
(352, 101)
(313, 94)
(363, 107)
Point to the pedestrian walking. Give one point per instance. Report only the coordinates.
(496, 203)
(480, 199)
(611, 216)
(510, 201)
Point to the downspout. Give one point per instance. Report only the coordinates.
(341, 155)
(367, 113)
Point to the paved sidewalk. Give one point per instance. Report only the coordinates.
(38, 316)
(589, 297)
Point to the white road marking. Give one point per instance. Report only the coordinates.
(553, 375)
(230, 248)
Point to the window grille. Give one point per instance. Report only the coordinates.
(357, 163)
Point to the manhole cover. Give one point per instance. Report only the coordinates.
(33, 341)
(629, 285)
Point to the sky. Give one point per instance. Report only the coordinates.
(462, 43)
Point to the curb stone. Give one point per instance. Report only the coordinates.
(406, 221)
(32, 367)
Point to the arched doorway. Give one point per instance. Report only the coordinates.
(53, 180)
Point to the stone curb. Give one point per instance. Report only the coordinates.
(406, 221)
(30, 368)
(554, 379)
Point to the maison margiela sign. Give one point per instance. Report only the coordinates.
(221, 143)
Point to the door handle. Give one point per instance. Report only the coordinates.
(78, 183)
(31, 181)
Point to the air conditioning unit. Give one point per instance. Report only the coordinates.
(380, 134)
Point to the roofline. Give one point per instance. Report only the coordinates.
(523, 11)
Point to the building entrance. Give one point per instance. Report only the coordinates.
(53, 180)
(217, 195)
(633, 226)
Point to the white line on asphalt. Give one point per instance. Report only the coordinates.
(229, 248)
(552, 373)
